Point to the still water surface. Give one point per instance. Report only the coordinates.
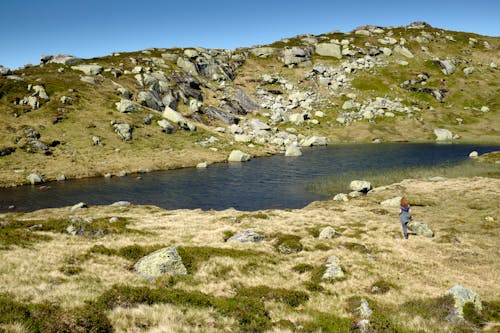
(271, 182)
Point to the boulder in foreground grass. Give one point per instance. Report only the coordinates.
(333, 270)
(247, 236)
(461, 296)
(421, 229)
(161, 262)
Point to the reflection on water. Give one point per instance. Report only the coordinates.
(271, 182)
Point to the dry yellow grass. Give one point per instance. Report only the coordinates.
(464, 251)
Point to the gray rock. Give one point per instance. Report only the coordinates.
(238, 156)
(387, 41)
(187, 66)
(461, 296)
(341, 197)
(124, 92)
(166, 126)
(124, 105)
(31, 101)
(329, 50)
(78, 206)
(393, 202)
(66, 100)
(63, 59)
(468, 70)
(221, 115)
(247, 236)
(447, 66)
(420, 229)
(293, 151)
(258, 125)
(34, 178)
(178, 119)
(88, 69)
(5, 70)
(333, 270)
(31, 133)
(314, 141)
(263, 52)
(364, 309)
(360, 186)
(121, 204)
(327, 233)
(165, 261)
(35, 146)
(88, 79)
(150, 99)
(443, 134)
(403, 51)
(124, 131)
(40, 92)
(296, 56)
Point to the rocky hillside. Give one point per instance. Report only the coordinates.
(168, 108)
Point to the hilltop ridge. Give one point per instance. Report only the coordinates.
(169, 108)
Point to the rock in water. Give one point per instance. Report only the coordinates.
(293, 151)
(461, 296)
(247, 236)
(34, 179)
(421, 229)
(238, 156)
(161, 262)
(333, 270)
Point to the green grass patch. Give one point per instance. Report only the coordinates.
(351, 246)
(286, 243)
(48, 317)
(70, 270)
(326, 322)
(302, 268)
(381, 287)
(248, 311)
(292, 298)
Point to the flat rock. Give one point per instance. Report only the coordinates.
(421, 229)
(165, 261)
(247, 236)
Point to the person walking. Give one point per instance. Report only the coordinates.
(405, 215)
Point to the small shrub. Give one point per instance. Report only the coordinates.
(356, 247)
(317, 273)
(322, 247)
(381, 287)
(313, 286)
(492, 310)
(290, 297)
(287, 244)
(314, 231)
(472, 316)
(228, 234)
(302, 268)
(325, 322)
(70, 270)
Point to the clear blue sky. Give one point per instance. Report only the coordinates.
(90, 28)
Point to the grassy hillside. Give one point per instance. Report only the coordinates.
(469, 109)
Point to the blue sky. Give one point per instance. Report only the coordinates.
(90, 28)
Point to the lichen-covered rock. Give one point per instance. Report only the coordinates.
(165, 261)
(421, 229)
(333, 270)
(327, 233)
(247, 236)
(461, 296)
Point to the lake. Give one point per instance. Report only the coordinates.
(262, 183)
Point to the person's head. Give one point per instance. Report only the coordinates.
(404, 202)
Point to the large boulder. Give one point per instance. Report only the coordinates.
(443, 134)
(420, 229)
(333, 271)
(461, 296)
(360, 186)
(329, 50)
(165, 261)
(149, 98)
(89, 69)
(238, 156)
(262, 52)
(34, 178)
(447, 67)
(124, 105)
(247, 236)
(403, 51)
(63, 59)
(296, 56)
(221, 115)
(40, 92)
(187, 66)
(178, 119)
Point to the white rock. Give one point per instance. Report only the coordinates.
(393, 202)
(473, 154)
(403, 51)
(293, 151)
(90, 69)
(202, 165)
(243, 138)
(319, 114)
(468, 70)
(341, 197)
(124, 105)
(443, 134)
(238, 156)
(329, 50)
(327, 233)
(34, 179)
(485, 109)
(360, 186)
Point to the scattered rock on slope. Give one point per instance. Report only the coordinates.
(162, 262)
